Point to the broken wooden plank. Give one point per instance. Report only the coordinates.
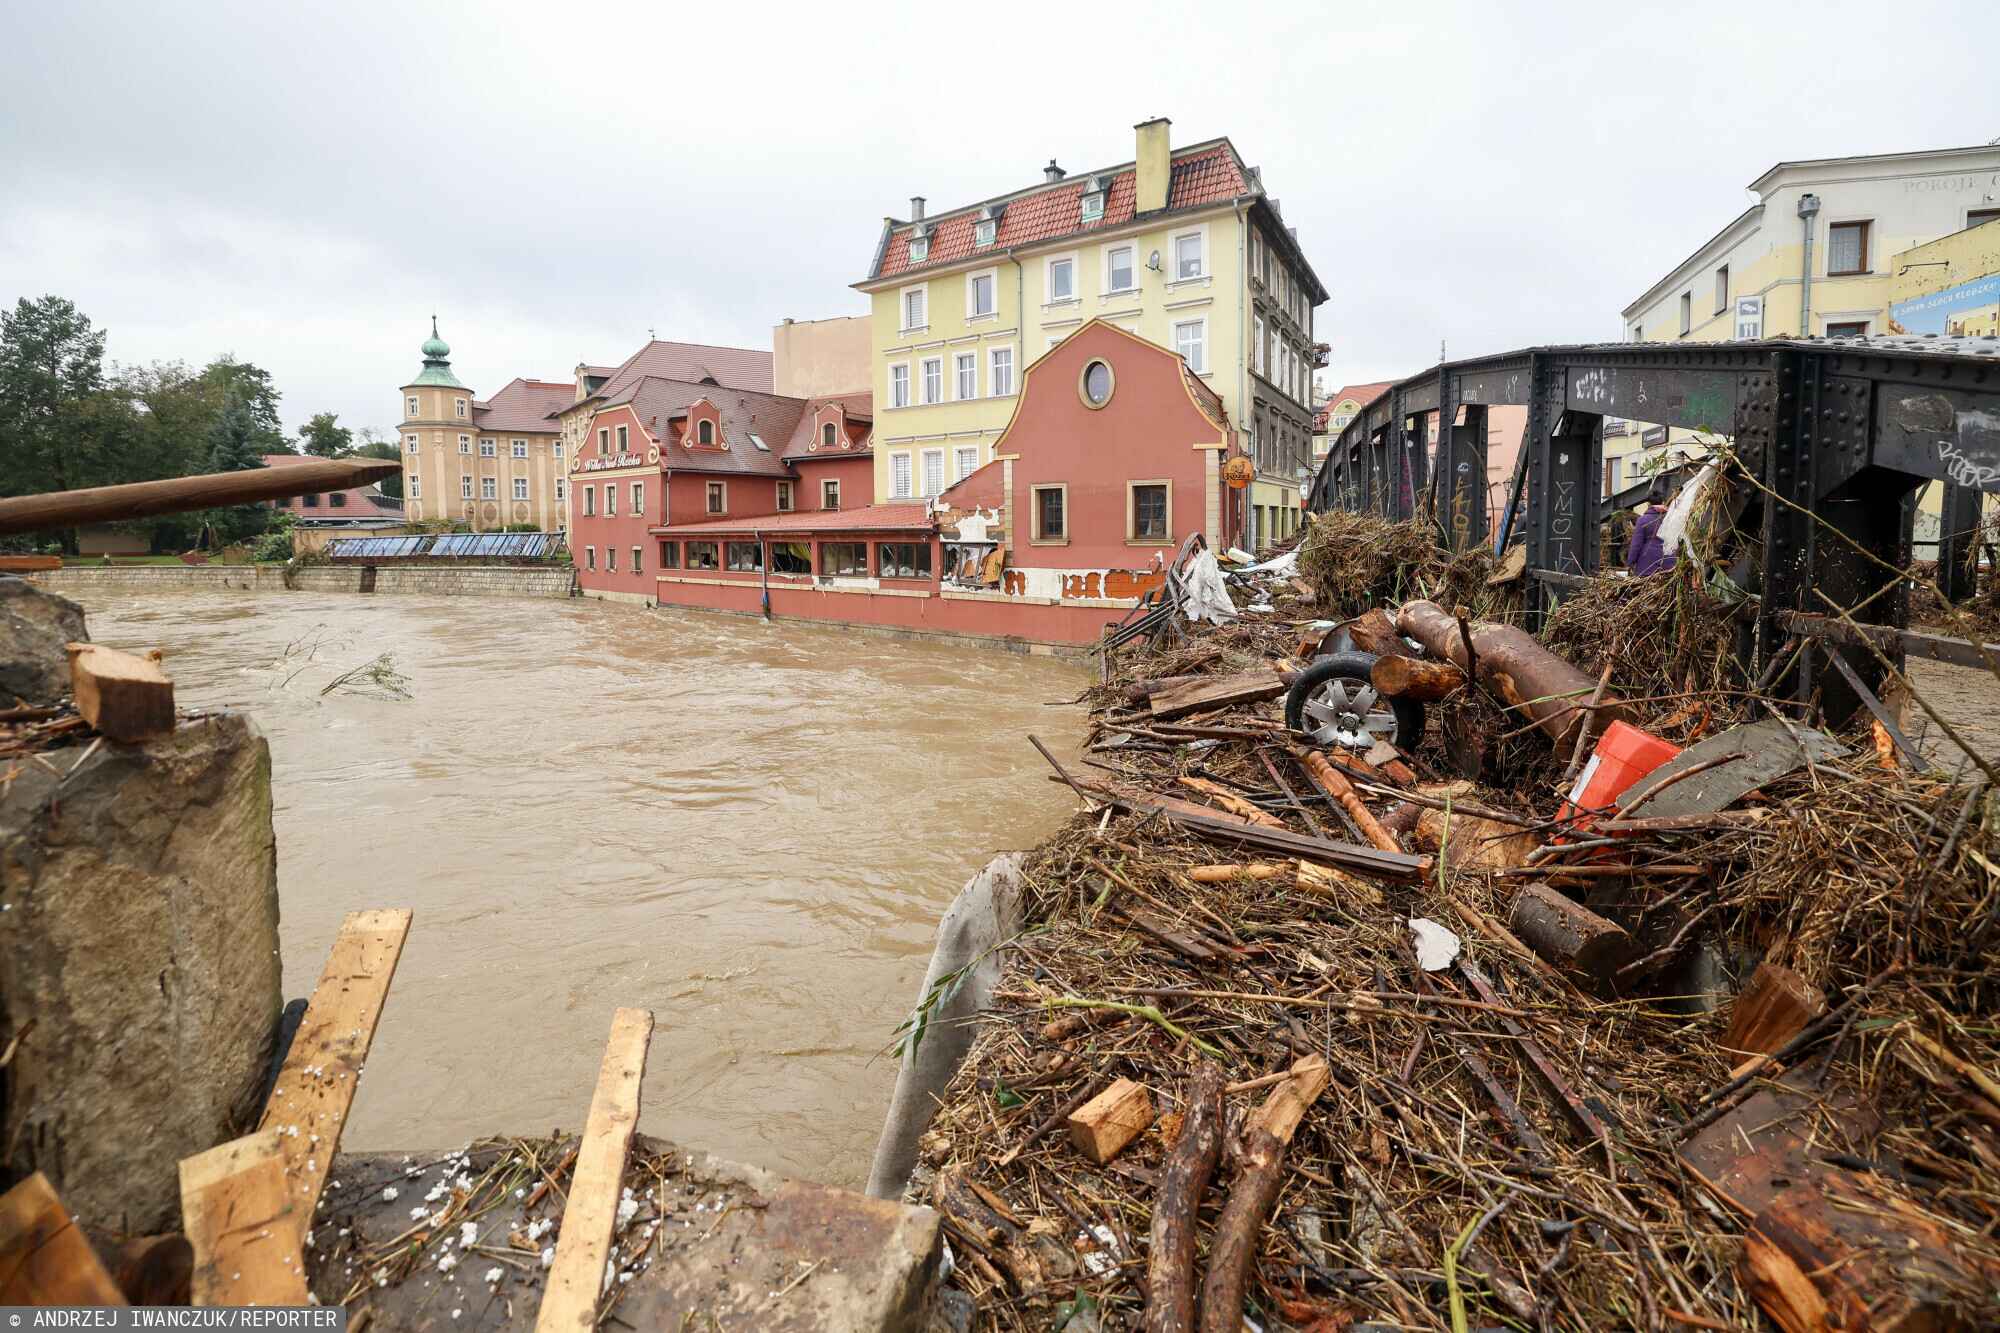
(245, 1224)
(1218, 692)
(1569, 934)
(1770, 1010)
(44, 1257)
(1102, 1126)
(125, 696)
(576, 1278)
(1774, 1137)
(1883, 717)
(1230, 801)
(315, 1089)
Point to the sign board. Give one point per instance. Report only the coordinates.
(1749, 316)
(1653, 435)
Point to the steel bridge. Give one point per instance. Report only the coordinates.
(1845, 432)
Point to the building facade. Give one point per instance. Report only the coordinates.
(489, 464)
(1181, 247)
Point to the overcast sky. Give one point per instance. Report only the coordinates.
(303, 188)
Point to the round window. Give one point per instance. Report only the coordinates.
(1097, 383)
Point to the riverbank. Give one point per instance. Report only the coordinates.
(531, 581)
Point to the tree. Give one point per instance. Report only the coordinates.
(252, 387)
(234, 446)
(374, 446)
(325, 437)
(51, 365)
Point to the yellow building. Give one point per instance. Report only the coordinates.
(489, 463)
(1180, 246)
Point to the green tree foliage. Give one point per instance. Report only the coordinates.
(51, 368)
(253, 388)
(325, 437)
(234, 442)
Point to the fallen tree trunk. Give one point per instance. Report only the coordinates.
(1170, 1253)
(1416, 678)
(180, 495)
(1234, 1250)
(1568, 934)
(1376, 633)
(1519, 671)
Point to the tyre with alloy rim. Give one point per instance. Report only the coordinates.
(1334, 702)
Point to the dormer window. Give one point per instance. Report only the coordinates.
(920, 249)
(1093, 206)
(705, 433)
(982, 234)
(826, 435)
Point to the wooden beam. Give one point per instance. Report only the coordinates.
(315, 1089)
(44, 1257)
(576, 1278)
(244, 1223)
(180, 495)
(1102, 1126)
(126, 697)
(1218, 692)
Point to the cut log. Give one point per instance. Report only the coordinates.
(1102, 1126)
(1415, 678)
(244, 1224)
(1261, 1175)
(1474, 843)
(1402, 818)
(1516, 669)
(1570, 935)
(1224, 874)
(1770, 1010)
(1170, 1254)
(1230, 801)
(1376, 633)
(315, 1089)
(576, 1278)
(1336, 785)
(126, 697)
(44, 1258)
(1217, 692)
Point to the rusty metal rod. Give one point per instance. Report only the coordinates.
(180, 495)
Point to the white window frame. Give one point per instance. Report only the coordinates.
(1084, 214)
(555, 449)
(465, 444)
(519, 448)
(520, 488)
(411, 443)
(924, 473)
(487, 448)
(993, 376)
(590, 502)
(489, 488)
(1049, 263)
(416, 486)
(920, 249)
(1105, 285)
(415, 406)
(465, 485)
(959, 463)
(723, 486)
(984, 230)
(992, 276)
(921, 289)
(906, 387)
(611, 560)
(590, 557)
(562, 490)
(964, 365)
(1257, 347)
(611, 499)
(1174, 251)
(637, 561)
(784, 497)
(638, 499)
(905, 489)
(1200, 323)
(927, 395)
(459, 409)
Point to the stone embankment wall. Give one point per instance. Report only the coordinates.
(462, 580)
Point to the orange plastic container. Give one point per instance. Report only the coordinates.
(1624, 754)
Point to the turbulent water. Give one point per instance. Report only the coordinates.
(749, 829)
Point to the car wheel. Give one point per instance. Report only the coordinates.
(1334, 702)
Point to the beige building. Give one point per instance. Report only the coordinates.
(814, 357)
(490, 463)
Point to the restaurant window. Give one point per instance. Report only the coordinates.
(903, 560)
(717, 497)
(1846, 248)
(670, 555)
(791, 558)
(829, 494)
(743, 557)
(1149, 521)
(1050, 517)
(844, 558)
(784, 497)
(701, 555)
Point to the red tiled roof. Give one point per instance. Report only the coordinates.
(524, 405)
(1201, 175)
(869, 518)
(729, 367)
(1363, 394)
(860, 409)
(770, 416)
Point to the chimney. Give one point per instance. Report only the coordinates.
(916, 208)
(1052, 172)
(1155, 164)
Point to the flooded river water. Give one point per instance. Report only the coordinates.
(748, 828)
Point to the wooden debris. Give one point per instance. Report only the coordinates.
(1231, 802)
(181, 495)
(244, 1223)
(1222, 874)
(1217, 692)
(1417, 678)
(126, 697)
(1569, 934)
(1473, 843)
(1239, 1228)
(155, 1270)
(44, 1257)
(1376, 633)
(1519, 671)
(1775, 1137)
(584, 1246)
(1770, 1010)
(1170, 1253)
(1102, 1126)
(1336, 784)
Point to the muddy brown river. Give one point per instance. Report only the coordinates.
(749, 829)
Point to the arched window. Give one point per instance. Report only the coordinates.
(705, 433)
(826, 434)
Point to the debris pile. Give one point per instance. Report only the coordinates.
(1654, 1006)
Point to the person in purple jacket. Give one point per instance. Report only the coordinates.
(1646, 554)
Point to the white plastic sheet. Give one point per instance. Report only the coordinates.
(1207, 594)
(1674, 532)
(1437, 947)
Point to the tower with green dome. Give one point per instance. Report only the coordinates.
(437, 412)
